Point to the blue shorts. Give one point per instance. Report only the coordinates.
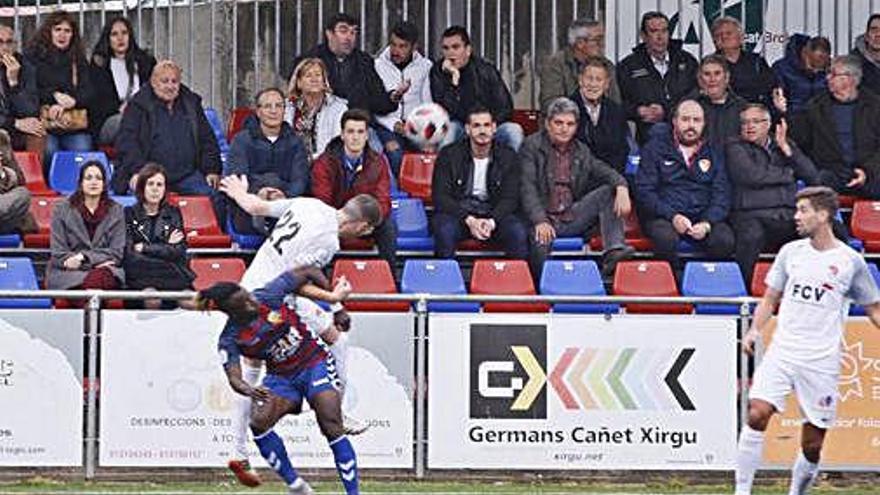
(308, 383)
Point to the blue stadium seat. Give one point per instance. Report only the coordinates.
(412, 225)
(18, 274)
(856, 309)
(436, 277)
(125, 200)
(218, 128)
(568, 244)
(10, 241)
(577, 277)
(64, 171)
(713, 279)
(244, 241)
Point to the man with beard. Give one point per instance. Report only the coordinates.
(867, 48)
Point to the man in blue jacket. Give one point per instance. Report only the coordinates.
(683, 192)
(801, 72)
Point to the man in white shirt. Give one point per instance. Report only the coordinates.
(814, 279)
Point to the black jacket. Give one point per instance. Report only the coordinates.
(136, 135)
(363, 88)
(102, 79)
(752, 78)
(607, 140)
(22, 100)
(722, 121)
(641, 84)
(764, 178)
(453, 180)
(54, 72)
(159, 264)
(490, 90)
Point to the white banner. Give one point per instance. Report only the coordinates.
(166, 401)
(582, 392)
(41, 392)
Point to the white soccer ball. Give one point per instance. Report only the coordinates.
(427, 125)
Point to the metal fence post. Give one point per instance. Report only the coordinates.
(92, 312)
(744, 322)
(421, 385)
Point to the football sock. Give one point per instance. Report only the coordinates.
(241, 413)
(346, 464)
(748, 458)
(272, 448)
(803, 474)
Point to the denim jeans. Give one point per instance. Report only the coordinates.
(77, 141)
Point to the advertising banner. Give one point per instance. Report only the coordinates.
(41, 392)
(166, 400)
(581, 392)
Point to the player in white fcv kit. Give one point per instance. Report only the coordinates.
(307, 234)
(814, 278)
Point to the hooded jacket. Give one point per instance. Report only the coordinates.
(799, 84)
(870, 68)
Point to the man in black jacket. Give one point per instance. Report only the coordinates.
(750, 76)
(19, 102)
(461, 81)
(655, 76)
(602, 126)
(475, 189)
(721, 106)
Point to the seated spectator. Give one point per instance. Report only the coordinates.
(721, 106)
(64, 84)
(15, 199)
(87, 237)
(801, 72)
(461, 81)
(682, 187)
(313, 111)
(404, 71)
(602, 125)
(567, 191)
(750, 76)
(20, 108)
(763, 173)
(475, 189)
(349, 167)
(155, 244)
(272, 157)
(561, 73)
(840, 131)
(164, 123)
(119, 69)
(867, 48)
(655, 76)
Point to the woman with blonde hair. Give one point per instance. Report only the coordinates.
(313, 111)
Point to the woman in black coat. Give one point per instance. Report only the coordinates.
(119, 68)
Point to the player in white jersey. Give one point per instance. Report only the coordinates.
(307, 234)
(814, 278)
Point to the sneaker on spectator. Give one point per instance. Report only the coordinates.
(244, 472)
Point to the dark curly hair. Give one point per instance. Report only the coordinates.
(41, 42)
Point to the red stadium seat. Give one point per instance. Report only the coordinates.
(41, 208)
(212, 270)
(758, 275)
(845, 201)
(32, 168)
(529, 120)
(632, 235)
(357, 244)
(505, 277)
(416, 172)
(865, 224)
(236, 121)
(108, 150)
(369, 276)
(200, 223)
(647, 278)
(476, 245)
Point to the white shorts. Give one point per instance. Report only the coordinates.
(816, 391)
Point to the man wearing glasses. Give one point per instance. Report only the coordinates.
(19, 104)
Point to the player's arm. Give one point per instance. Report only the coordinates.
(873, 312)
(233, 374)
(237, 188)
(762, 315)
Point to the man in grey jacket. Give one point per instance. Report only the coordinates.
(567, 191)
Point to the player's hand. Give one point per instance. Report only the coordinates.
(342, 289)
(260, 394)
(235, 186)
(342, 320)
(749, 339)
(313, 275)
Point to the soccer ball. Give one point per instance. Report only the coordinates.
(427, 125)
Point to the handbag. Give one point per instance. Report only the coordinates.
(72, 119)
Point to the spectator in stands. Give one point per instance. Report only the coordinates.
(461, 81)
(350, 71)
(19, 102)
(867, 48)
(313, 111)
(561, 73)
(840, 131)
(87, 237)
(683, 191)
(763, 173)
(801, 72)
(119, 68)
(404, 71)
(567, 191)
(15, 199)
(655, 76)
(349, 167)
(272, 157)
(475, 188)
(64, 84)
(721, 106)
(602, 124)
(155, 244)
(164, 123)
(750, 76)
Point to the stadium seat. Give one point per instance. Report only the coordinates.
(632, 235)
(357, 244)
(10, 240)
(125, 200)
(647, 278)
(568, 244)
(576, 277)
(412, 225)
(32, 168)
(436, 277)
(372, 276)
(416, 171)
(529, 120)
(41, 208)
(200, 223)
(212, 270)
(757, 286)
(846, 201)
(19, 274)
(865, 224)
(217, 127)
(64, 170)
(505, 277)
(236, 121)
(108, 150)
(720, 279)
(244, 241)
(857, 309)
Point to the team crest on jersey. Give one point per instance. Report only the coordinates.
(833, 269)
(274, 317)
(705, 164)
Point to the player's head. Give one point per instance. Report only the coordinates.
(229, 298)
(360, 215)
(816, 209)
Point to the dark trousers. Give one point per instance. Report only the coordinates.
(385, 236)
(718, 243)
(510, 233)
(871, 189)
(757, 231)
